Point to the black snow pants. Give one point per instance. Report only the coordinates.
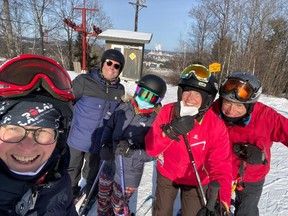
(246, 202)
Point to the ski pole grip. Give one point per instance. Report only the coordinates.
(213, 191)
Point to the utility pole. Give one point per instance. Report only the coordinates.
(82, 29)
(137, 5)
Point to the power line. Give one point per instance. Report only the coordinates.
(137, 5)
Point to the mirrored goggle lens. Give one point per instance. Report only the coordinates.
(243, 90)
(22, 72)
(146, 95)
(116, 66)
(198, 71)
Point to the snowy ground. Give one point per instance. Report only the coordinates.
(274, 199)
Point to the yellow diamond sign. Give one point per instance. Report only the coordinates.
(132, 56)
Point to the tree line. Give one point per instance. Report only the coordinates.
(242, 35)
(37, 26)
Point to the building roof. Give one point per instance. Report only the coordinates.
(125, 36)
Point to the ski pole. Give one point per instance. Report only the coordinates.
(92, 188)
(195, 169)
(123, 184)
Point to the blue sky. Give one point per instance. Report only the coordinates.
(167, 20)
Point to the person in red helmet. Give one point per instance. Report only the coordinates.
(252, 128)
(191, 145)
(97, 94)
(35, 113)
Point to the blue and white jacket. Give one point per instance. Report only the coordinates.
(95, 101)
(126, 124)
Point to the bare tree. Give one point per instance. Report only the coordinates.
(40, 9)
(200, 30)
(66, 9)
(8, 30)
(36, 26)
(245, 36)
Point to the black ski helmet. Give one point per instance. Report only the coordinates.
(208, 87)
(115, 55)
(245, 81)
(153, 83)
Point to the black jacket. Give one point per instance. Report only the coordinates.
(54, 195)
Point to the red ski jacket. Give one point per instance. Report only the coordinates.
(265, 127)
(209, 143)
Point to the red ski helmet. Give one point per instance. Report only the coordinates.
(25, 73)
(30, 78)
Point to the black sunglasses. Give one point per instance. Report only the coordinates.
(116, 66)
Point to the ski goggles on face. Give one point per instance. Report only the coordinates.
(199, 72)
(146, 95)
(115, 65)
(21, 75)
(243, 90)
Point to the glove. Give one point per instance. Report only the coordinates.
(178, 126)
(204, 212)
(124, 149)
(212, 207)
(219, 210)
(249, 153)
(106, 152)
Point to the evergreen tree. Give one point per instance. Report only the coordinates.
(91, 58)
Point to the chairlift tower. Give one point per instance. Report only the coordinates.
(83, 30)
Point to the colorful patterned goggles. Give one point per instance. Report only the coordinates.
(243, 90)
(199, 72)
(146, 95)
(23, 74)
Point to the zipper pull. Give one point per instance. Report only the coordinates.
(33, 200)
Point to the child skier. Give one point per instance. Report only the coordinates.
(123, 149)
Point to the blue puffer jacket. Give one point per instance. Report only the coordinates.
(95, 101)
(126, 125)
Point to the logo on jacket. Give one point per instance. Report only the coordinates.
(142, 124)
(199, 143)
